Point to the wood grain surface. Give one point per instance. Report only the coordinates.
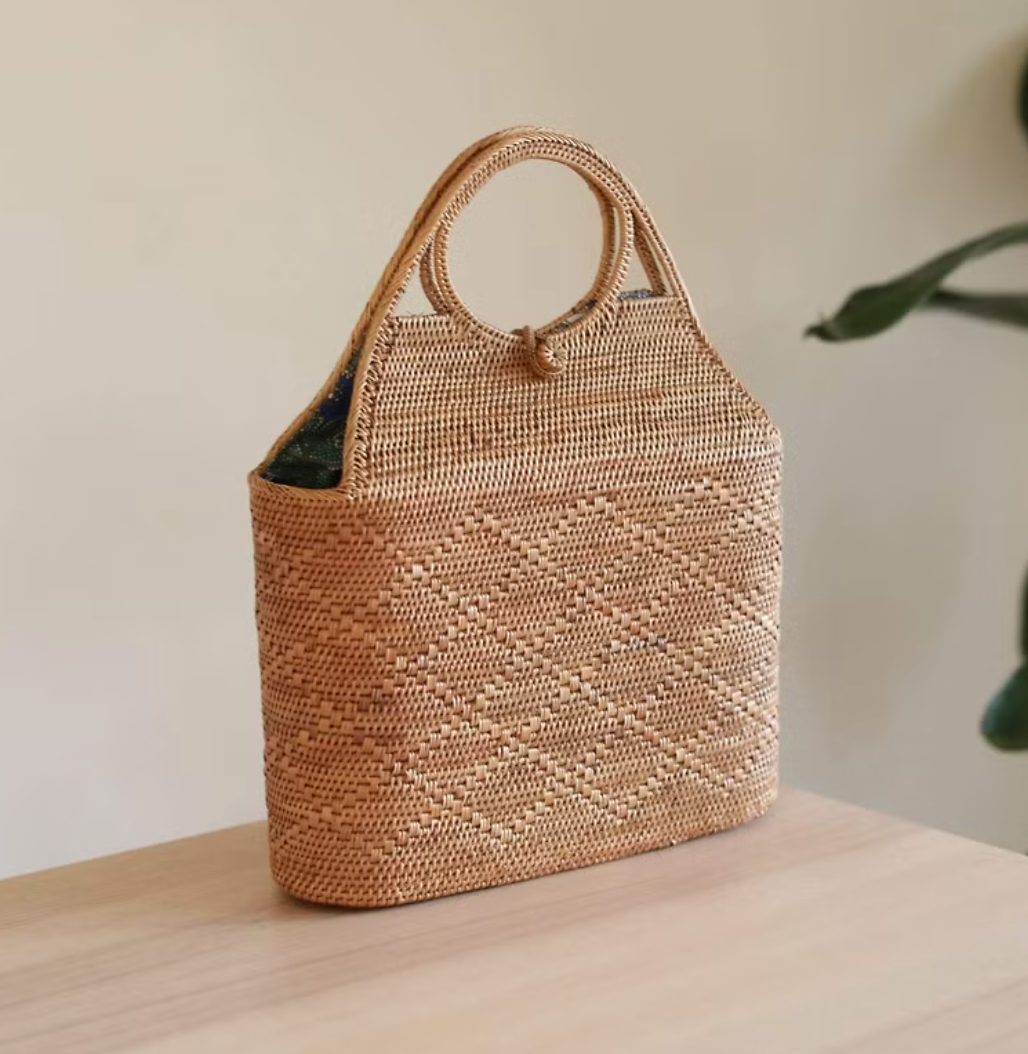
(818, 928)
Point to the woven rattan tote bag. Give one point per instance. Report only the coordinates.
(517, 593)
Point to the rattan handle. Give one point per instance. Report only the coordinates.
(428, 275)
(462, 180)
(430, 281)
(660, 270)
(616, 200)
(459, 165)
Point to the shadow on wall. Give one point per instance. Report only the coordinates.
(887, 469)
(870, 625)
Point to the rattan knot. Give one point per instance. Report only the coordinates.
(546, 361)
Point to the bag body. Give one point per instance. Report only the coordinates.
(517, 593)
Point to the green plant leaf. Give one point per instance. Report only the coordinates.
(1010, 308)
(875, 308)
(1005, 721)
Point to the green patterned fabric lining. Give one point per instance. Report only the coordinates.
(313, 458)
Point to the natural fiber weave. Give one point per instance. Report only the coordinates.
(535, 623)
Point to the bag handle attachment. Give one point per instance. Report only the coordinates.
(546, 361)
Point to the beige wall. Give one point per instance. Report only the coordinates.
(195, 200)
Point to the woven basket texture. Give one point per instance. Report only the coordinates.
(528, 619)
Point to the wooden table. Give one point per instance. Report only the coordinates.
(819, 928)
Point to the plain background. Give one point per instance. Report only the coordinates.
(196, 198)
